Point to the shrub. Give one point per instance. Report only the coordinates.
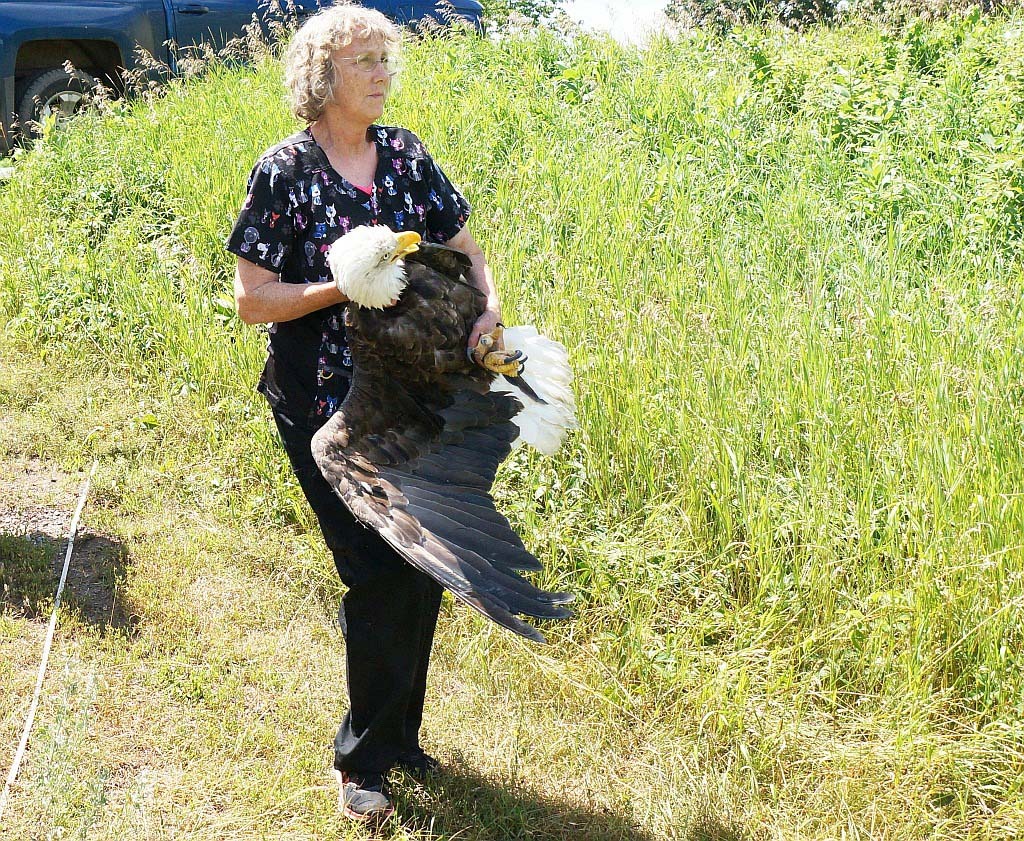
(722, 15)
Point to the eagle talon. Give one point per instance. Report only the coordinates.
(502, 362)
(481, 350)
(494, 359)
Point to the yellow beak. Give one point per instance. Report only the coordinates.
(406, 244)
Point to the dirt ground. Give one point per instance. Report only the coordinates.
(37, 502)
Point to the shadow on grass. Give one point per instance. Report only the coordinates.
(30, 568)
(457, 803)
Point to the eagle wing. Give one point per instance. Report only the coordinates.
(414, 448)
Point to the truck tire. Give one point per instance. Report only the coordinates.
(53, 91)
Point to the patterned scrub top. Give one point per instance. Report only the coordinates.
(296, 207)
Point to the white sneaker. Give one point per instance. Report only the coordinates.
(361, 796)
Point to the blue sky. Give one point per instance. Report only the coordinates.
(627, 20)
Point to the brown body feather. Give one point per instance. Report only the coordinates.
(414, 447)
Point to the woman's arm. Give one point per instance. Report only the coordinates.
(482, 279)
(260, 297)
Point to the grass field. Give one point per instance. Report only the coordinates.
(788, 270)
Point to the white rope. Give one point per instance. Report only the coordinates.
(20, 753)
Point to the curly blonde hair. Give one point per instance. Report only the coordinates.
(308, 68)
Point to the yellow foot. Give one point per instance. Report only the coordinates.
(490, 354)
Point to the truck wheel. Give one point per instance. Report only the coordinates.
(53, 91)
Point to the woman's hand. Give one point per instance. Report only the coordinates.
(485, 324)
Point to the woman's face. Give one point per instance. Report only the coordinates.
(362, 80)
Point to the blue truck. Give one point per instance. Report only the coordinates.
(100, 38)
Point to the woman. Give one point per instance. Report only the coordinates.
(342, 171)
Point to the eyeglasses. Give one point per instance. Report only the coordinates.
(368, 61)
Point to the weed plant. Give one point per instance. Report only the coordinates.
(787, 267)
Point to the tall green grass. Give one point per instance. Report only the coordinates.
(788, 271)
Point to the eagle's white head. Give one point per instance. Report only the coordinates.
(367, 264)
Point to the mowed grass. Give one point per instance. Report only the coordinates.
(788, 271)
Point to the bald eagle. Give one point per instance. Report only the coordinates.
(413, 449)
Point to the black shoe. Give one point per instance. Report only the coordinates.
(417, 762)
(361, 796)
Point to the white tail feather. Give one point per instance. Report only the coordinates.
(547, 372)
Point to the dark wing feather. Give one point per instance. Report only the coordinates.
(440, 258)
(415, 446)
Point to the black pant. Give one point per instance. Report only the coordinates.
(387, 617)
